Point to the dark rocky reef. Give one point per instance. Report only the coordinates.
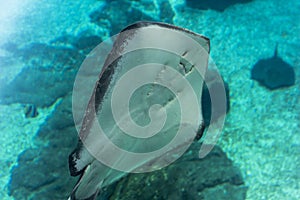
(213, 177)
(48, 74)
(218, 5)
(43, 173)
(49, 69)
(166, 13)
(116, 22)
(87, 42)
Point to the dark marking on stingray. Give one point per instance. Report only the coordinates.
(200, 131)
(98, 94)
(184, 53)
(73, 157)
(273, 73)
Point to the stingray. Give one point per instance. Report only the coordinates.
(273, 73)
(170, 48)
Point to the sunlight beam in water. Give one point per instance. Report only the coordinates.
(10, 12)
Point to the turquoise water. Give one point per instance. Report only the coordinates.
(43, 43)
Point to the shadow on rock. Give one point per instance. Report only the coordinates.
(218, 5)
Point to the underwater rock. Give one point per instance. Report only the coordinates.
(6, 61)
(62, 117)
(108, 16)
(49, 74)
(273, 73)
(28, 164)
(10, 46)
(166, 13)
(42, 173)
(214, 4)
(187, 178)
(87, 42)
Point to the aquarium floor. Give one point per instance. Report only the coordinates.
(261, 135)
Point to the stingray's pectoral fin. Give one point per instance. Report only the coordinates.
(73, 159)
(82, 163)
(86, 187)
(79, 159)
(92, 197)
